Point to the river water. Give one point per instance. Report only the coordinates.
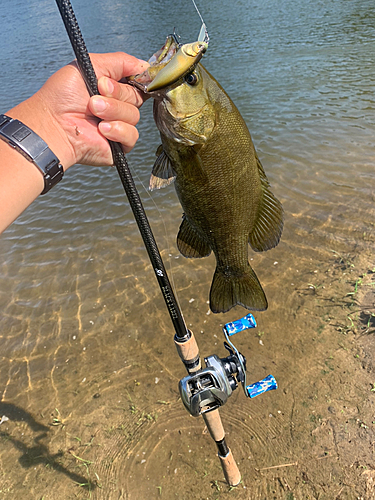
(87, 363)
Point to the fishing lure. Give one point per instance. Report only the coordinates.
(181, 64)
(178, 60)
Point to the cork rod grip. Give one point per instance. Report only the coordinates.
(230, 469)
(214, 425)
(216, 429)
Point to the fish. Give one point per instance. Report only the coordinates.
(207, 151)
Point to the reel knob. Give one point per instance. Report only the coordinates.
(267, 384)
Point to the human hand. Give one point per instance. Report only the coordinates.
(65, 116)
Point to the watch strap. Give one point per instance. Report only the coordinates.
(32, 147)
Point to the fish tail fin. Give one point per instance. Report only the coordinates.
(229, 289)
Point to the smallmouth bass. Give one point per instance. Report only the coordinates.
(220, 182)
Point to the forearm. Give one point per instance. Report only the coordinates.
(21, 181)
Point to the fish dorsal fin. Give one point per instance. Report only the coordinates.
(190, 243)
(162, 172)
(269, 224)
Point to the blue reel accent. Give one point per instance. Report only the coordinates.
(267, 384)
(244, 323)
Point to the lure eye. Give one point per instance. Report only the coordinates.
(191, 79)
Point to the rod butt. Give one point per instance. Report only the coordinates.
(230, 469)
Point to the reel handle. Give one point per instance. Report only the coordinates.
(267, 384)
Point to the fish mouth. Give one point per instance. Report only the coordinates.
(165, 54)
(168, 66)
(157, 62)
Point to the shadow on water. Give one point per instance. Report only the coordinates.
(38, 454)
(17, 414)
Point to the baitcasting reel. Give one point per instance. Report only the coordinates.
(209, 388)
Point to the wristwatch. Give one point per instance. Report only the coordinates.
(32, 147)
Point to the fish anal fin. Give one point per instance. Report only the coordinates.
(231, 289)
(269, 224)
(190, 243)
(162, 173)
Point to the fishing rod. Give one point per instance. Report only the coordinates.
(202, 391)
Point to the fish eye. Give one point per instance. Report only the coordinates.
(191, 79)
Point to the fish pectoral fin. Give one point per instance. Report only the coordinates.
(269, 224)
(230, 289)
(190, 243)
(162, 173)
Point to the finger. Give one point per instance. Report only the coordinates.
(110, 109)
(121, 91)
(117, 65)
(121, 132)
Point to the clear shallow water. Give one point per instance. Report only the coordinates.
(81, 312)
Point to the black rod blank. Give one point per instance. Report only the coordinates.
(89, 76)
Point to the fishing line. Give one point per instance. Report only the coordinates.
(203, 34)
(199, 14)
(169, 245)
